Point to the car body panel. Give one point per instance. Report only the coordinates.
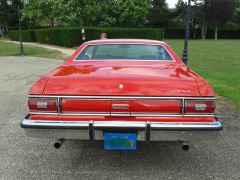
(164, 80)
(100, 95)
(159, 78)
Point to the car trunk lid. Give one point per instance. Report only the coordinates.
(132, 80)
(121, 81)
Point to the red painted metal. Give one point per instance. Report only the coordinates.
(144, 106)
(156, 106)
(137, 78)
(76, 105)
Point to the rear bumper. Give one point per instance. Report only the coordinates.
(146, 131)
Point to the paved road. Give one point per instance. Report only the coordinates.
(25, 158)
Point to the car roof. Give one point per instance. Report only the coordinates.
(147, 41)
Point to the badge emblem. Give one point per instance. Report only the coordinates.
(181, 91)
(120, 86)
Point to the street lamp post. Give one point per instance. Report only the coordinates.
(26, 2)
(187, 34)
(20, 29)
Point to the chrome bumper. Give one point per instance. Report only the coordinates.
(146, 131)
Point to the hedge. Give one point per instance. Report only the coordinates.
(27, 35)
(71, 36)
(226, 32)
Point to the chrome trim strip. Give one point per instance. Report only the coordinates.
(42, 112)
(121, 114)
(120, 106)
(170, 115)
(124, 40)
(71, 114)
(109, 43)
(58, 105)
(183, 106)
(124, 114)
(66, 124)
(199, 115)
(154, 114)
(121, 124)
(126, 124)
(123, 97)
(216, 124)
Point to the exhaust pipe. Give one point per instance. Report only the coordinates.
(185, 146)
(58, 144)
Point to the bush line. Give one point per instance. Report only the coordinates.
(71, 36)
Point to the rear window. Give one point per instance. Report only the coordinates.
(124, 51)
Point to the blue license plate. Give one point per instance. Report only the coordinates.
(119, 141)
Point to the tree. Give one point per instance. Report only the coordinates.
(196, 14)
(180, 11)
(219, 12)
(8, 16)
(97, 13)
(68, 12)
(40, 12)
(130, 13)
(4, 9)
(208, 12)
(123, 13)
(236, 18)
(159, 14)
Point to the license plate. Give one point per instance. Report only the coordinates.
(119, 141)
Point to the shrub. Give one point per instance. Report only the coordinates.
(113, 33)
(68, 37)
(225, 32)
(174, 33)
(27, 35)
(71, 36)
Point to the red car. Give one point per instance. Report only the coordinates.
(122, 91)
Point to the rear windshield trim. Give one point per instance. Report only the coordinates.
(173, 59)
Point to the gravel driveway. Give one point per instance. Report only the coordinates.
(25, 158)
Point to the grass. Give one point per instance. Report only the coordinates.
(12, 49)
(216, 61)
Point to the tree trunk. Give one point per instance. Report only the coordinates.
(216, 32)
(204, 29)
(163, 32)
(3, 30)
(6, 29)
(52, 22)
(194, 33)
(29, 25)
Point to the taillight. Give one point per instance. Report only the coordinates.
(199, 106)
(42, 104)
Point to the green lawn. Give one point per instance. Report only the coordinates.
(218, 62)
(12, 49)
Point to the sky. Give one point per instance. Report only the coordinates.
(172, 3)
